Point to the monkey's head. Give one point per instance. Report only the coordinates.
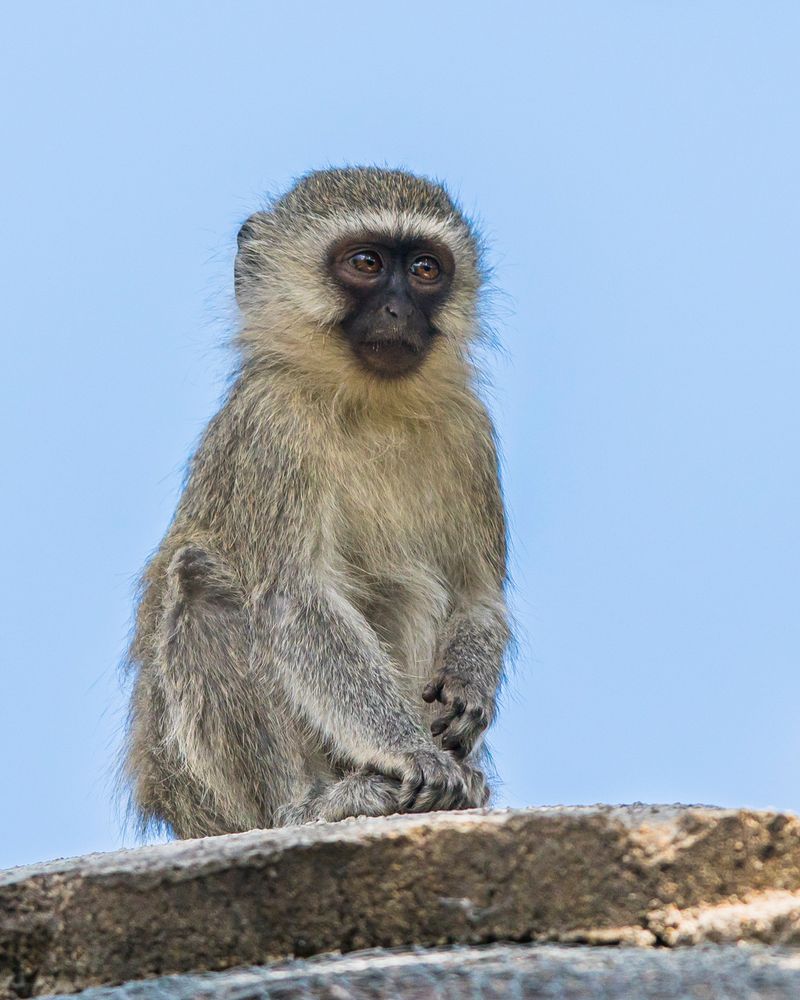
(360, 274)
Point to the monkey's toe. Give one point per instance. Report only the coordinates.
(434, 782)
(477, 785)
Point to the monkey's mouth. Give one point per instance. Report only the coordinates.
(389, 358)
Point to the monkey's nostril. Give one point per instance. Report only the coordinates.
(391, 310)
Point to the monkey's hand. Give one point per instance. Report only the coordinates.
(434, 780)
(468, 710)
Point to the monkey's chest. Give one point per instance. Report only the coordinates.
(395, 516)
(399, 518)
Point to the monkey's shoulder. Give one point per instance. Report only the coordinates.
(254, 426)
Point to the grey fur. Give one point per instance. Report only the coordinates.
(339, 548)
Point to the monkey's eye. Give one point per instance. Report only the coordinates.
(367, 261)
(425, 267)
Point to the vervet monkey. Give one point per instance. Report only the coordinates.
(321, 633)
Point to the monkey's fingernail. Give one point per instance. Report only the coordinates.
(429, 694)
(438, 726)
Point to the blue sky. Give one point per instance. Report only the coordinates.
(636, 166)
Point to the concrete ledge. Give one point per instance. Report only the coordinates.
(600, 875)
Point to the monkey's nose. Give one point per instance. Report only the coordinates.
(398, 310)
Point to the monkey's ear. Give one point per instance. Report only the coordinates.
(245, 269)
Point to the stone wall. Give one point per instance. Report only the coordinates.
(638, 876)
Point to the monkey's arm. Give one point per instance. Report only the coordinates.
(474, 641)
(469, 674)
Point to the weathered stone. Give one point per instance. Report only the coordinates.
(596, 875)
(771, 917)
(495, 972)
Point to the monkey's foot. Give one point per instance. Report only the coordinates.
(433, 780)
(360, 793)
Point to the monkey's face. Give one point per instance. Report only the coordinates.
(360, 277)
(393, 289)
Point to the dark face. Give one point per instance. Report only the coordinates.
(394, 289)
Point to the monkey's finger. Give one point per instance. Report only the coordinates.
(432, 691)
(441, 722)
(439, 725)
(458, 751)
(464, 730)
(441, 795)
(407, 802)
(478, 787)
(476, 718)
(409, 792)
(458, 746)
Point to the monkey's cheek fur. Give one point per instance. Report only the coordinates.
(389, 358)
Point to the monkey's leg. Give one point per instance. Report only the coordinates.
(340, 681)
(220, 722)
(164, 790)
(466, 683)
(360, 793)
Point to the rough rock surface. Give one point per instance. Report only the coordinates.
(601, 875)
(492, 972)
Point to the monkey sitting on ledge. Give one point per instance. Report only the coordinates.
(321, 633)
